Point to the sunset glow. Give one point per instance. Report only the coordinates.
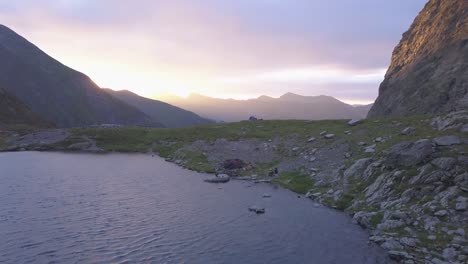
(220, 48)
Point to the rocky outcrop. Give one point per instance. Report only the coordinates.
(429, 68)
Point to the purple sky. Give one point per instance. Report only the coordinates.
(241, 48)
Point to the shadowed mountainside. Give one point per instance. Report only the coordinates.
(56, 92)
(429, 68)
(288, 106)
(168, 115)
(14, 112)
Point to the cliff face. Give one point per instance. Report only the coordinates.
(429, 67)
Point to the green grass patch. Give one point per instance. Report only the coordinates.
(197, 161)
(295, 181)
(376, 219)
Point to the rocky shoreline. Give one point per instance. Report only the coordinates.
(408, 189)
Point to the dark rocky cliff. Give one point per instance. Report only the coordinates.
(429, 67)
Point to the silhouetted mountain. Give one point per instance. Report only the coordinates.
(429, 68)
(168, 115)
(14, 112)
(288, 106)
(57, 93)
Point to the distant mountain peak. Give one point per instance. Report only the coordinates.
(290, 95)
(265, 97)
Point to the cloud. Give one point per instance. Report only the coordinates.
(313, 75)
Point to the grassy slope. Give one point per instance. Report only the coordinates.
(167, 141)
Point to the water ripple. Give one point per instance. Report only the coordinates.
(77, 208)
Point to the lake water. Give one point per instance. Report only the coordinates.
(118, 208)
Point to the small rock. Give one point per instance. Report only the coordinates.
(408, 131)
(323, 133)
(312, 139)
(410, 242)
(295, 149)
(362, 143)
(398, 255)
(257, 210)
(461, 204)
(329, 136)
(460, 232)
(447, 141)
(266, 195)
(464, 129)
(355, 121)
(370, 149)
(450, 254)
(379, 139)
(347, 155)
(392, 244)
(441, 213)
(312, 159)
(390, 224)
(313, 195)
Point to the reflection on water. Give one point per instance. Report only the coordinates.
(82, 208)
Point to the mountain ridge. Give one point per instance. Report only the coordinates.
(58, 93)
(170, 116)
(287, 106)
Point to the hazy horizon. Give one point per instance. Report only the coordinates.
(220, 49)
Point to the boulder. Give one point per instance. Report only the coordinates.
(409, 153)
(447, 141)
(363, 218)
(355, 121)
(444, 163)
(357, 169)
(449, 121)
(221, 178)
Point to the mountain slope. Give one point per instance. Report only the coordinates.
(168, 115)
(429, 68)
(14, 112)
(288, 106)
(57, 93)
